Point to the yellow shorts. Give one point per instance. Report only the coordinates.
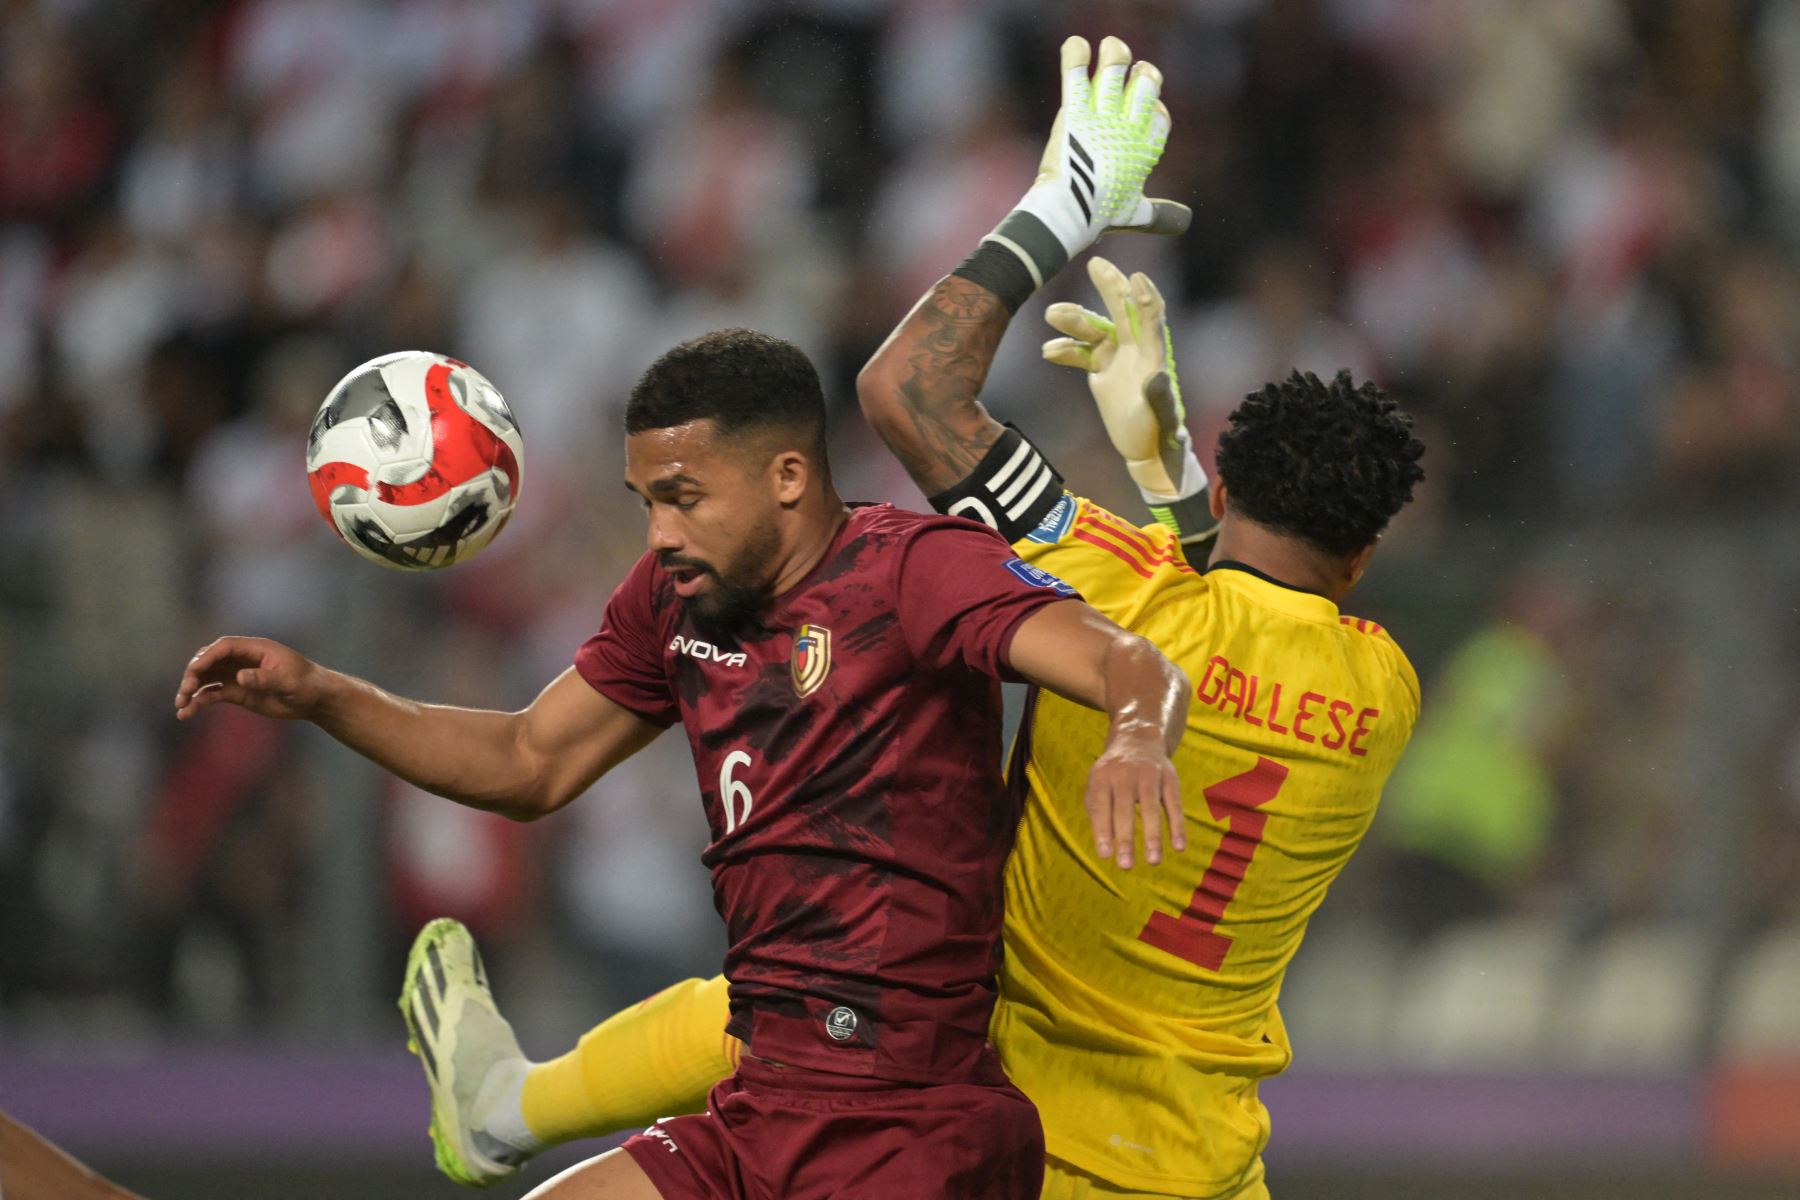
(1065, 1182)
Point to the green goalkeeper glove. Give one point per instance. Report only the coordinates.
(1109, 133)
(1130, 366)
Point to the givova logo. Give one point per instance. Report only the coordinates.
(707, 652)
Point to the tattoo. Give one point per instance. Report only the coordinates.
(940, 357)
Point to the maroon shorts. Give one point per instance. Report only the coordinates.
(781, 1133)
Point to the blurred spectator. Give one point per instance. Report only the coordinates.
(556, 320)
(1470, 811)
(1279, 321)
(219, 873)
(742, 177)
(57, 140)
(1517, 77)
(185, 170)
(255, 517)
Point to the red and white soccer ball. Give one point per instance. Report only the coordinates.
(415, 460)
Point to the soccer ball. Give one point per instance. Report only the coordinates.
(415, 460)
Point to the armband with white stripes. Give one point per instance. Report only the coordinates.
(1012, 489)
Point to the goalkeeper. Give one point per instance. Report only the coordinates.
(1136, 1009)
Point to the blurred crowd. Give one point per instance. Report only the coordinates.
(1563, 232)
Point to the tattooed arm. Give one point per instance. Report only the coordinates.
(920, 390)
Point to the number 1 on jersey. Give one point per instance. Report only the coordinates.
(1194, 935)
(732, 791)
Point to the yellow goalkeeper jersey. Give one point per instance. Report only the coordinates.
(1137, 1008)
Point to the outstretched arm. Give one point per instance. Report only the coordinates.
(522, 765)
(920, 390)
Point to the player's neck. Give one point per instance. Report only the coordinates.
(1284, 559)
(814, 530)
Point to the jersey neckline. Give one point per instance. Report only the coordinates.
(1299, 600)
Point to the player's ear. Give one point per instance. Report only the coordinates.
(790, 471)
(1215, 499)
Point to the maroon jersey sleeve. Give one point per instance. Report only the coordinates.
(624, 661)
(963, 593)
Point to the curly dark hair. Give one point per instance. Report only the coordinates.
(1328, 463)
(744, 380)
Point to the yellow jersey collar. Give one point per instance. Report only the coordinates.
(1299, 601)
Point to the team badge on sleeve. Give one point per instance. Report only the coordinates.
(812, 658)
(1038, 577)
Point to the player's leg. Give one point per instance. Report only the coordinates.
(472, 1060)
(658, 1058)
(611, 1176)
(33, 1169)
(492, 1109)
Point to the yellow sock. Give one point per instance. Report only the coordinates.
(658, 1058)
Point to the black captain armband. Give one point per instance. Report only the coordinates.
(1001, 272)
(1012, 489)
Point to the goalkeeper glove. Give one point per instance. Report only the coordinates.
(1130, 366)
(1108, 135)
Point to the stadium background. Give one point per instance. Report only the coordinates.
(1563, 231)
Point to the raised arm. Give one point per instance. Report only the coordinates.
(920, 391)
(522, 765)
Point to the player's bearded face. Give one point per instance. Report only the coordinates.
(732, 591)
(714, 522)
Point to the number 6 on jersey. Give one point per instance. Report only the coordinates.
(731, 789)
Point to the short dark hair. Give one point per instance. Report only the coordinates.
(742, 380)
(1328, 463)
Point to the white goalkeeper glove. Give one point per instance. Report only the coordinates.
(1130, 367)
(1108, 135)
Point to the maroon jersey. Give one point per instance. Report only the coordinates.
(849, 758)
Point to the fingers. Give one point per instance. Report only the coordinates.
(1119, 800)
(1164, 218)
(1078, 322)
(1171, 802)
(1067, 352)
(1169, 218)
(1109, 77)
(1159, 391)
(1100, 816)
(197, 667)
(1160, 124)
(212, 693)
(1150, 814)
(1075, 87)
(1115, 292)
(1141, 92)
(1149, 302)
(1147, 305)
(1124, 800)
